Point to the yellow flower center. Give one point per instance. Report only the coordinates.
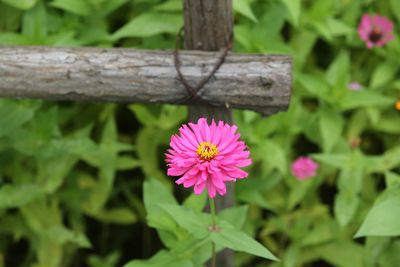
(207, 151)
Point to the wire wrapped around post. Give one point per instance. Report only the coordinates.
(193, 91)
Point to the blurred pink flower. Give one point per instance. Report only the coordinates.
(354, 86)
(304, 167)
(207, 156)
(375, 30)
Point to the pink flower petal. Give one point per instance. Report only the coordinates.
(375, 30)
(199, 171)
(304, 167)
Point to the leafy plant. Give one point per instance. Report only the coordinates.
(80, 184)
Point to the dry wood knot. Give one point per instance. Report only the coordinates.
(266, 83)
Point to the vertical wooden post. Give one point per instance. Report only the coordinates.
(208, 27)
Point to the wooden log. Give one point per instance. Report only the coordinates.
(257, 82)
(208, 27)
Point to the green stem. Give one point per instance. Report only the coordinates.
(213, 213)
(213, 226)
(214, 256)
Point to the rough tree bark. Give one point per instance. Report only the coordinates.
(208, 27)
(255, 82)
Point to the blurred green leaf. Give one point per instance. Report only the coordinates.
(383, 218)
(21, 4)
(149, 24)
(63, 235)
(243, 7)
(10, 18)
(34, 22)
(350, 183)
(13, 196)
(13, 115)
(110, 6)
(344, 254)
(77, 7)
(117, 216)
(383, 73)
(162, 258)
(240, 241)
(356, 99)
(107, 261)
(235, 216)
(10, 38)
(196, 202)
(294, 8)
(147, 148)
(395, 8)
(193, 222)
(338, 71)
(155, 193)
(331, 125)
(171, 5)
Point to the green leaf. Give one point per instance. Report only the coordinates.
(164, 117)
(321, 233)
(389, 123)
(10, 38)
(13, 115)
(330, 125)
(144, 115)
(149, 24)
(240, 241)
(110, 6)
(77, 7)
(395, 7)
(21, 4)
(363, 98)
(299, 191)
(171, 5)
(383, 219)
(338, 27)
(13, 196)
(349, 184)
(194, 222)
(109, 260)
(314, 84)
(120, 215)
(62, 235)
(235, 215)
(34, 22)
(294, 8)
(148, 140)
(335, 160)
(155, 193)
(344, 254)
(338, 72)
(383, 73)
(345, 208)
(196, 202)
(162, 258)
(392, 179)
(243, 7)
(127, 163)
(278, 161)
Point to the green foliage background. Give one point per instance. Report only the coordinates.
(71, 174)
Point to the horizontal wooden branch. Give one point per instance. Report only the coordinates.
(256, 82)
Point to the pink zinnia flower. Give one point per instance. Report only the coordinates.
(304, 167)
(207, 156)
(375, 30)
(354, 86)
